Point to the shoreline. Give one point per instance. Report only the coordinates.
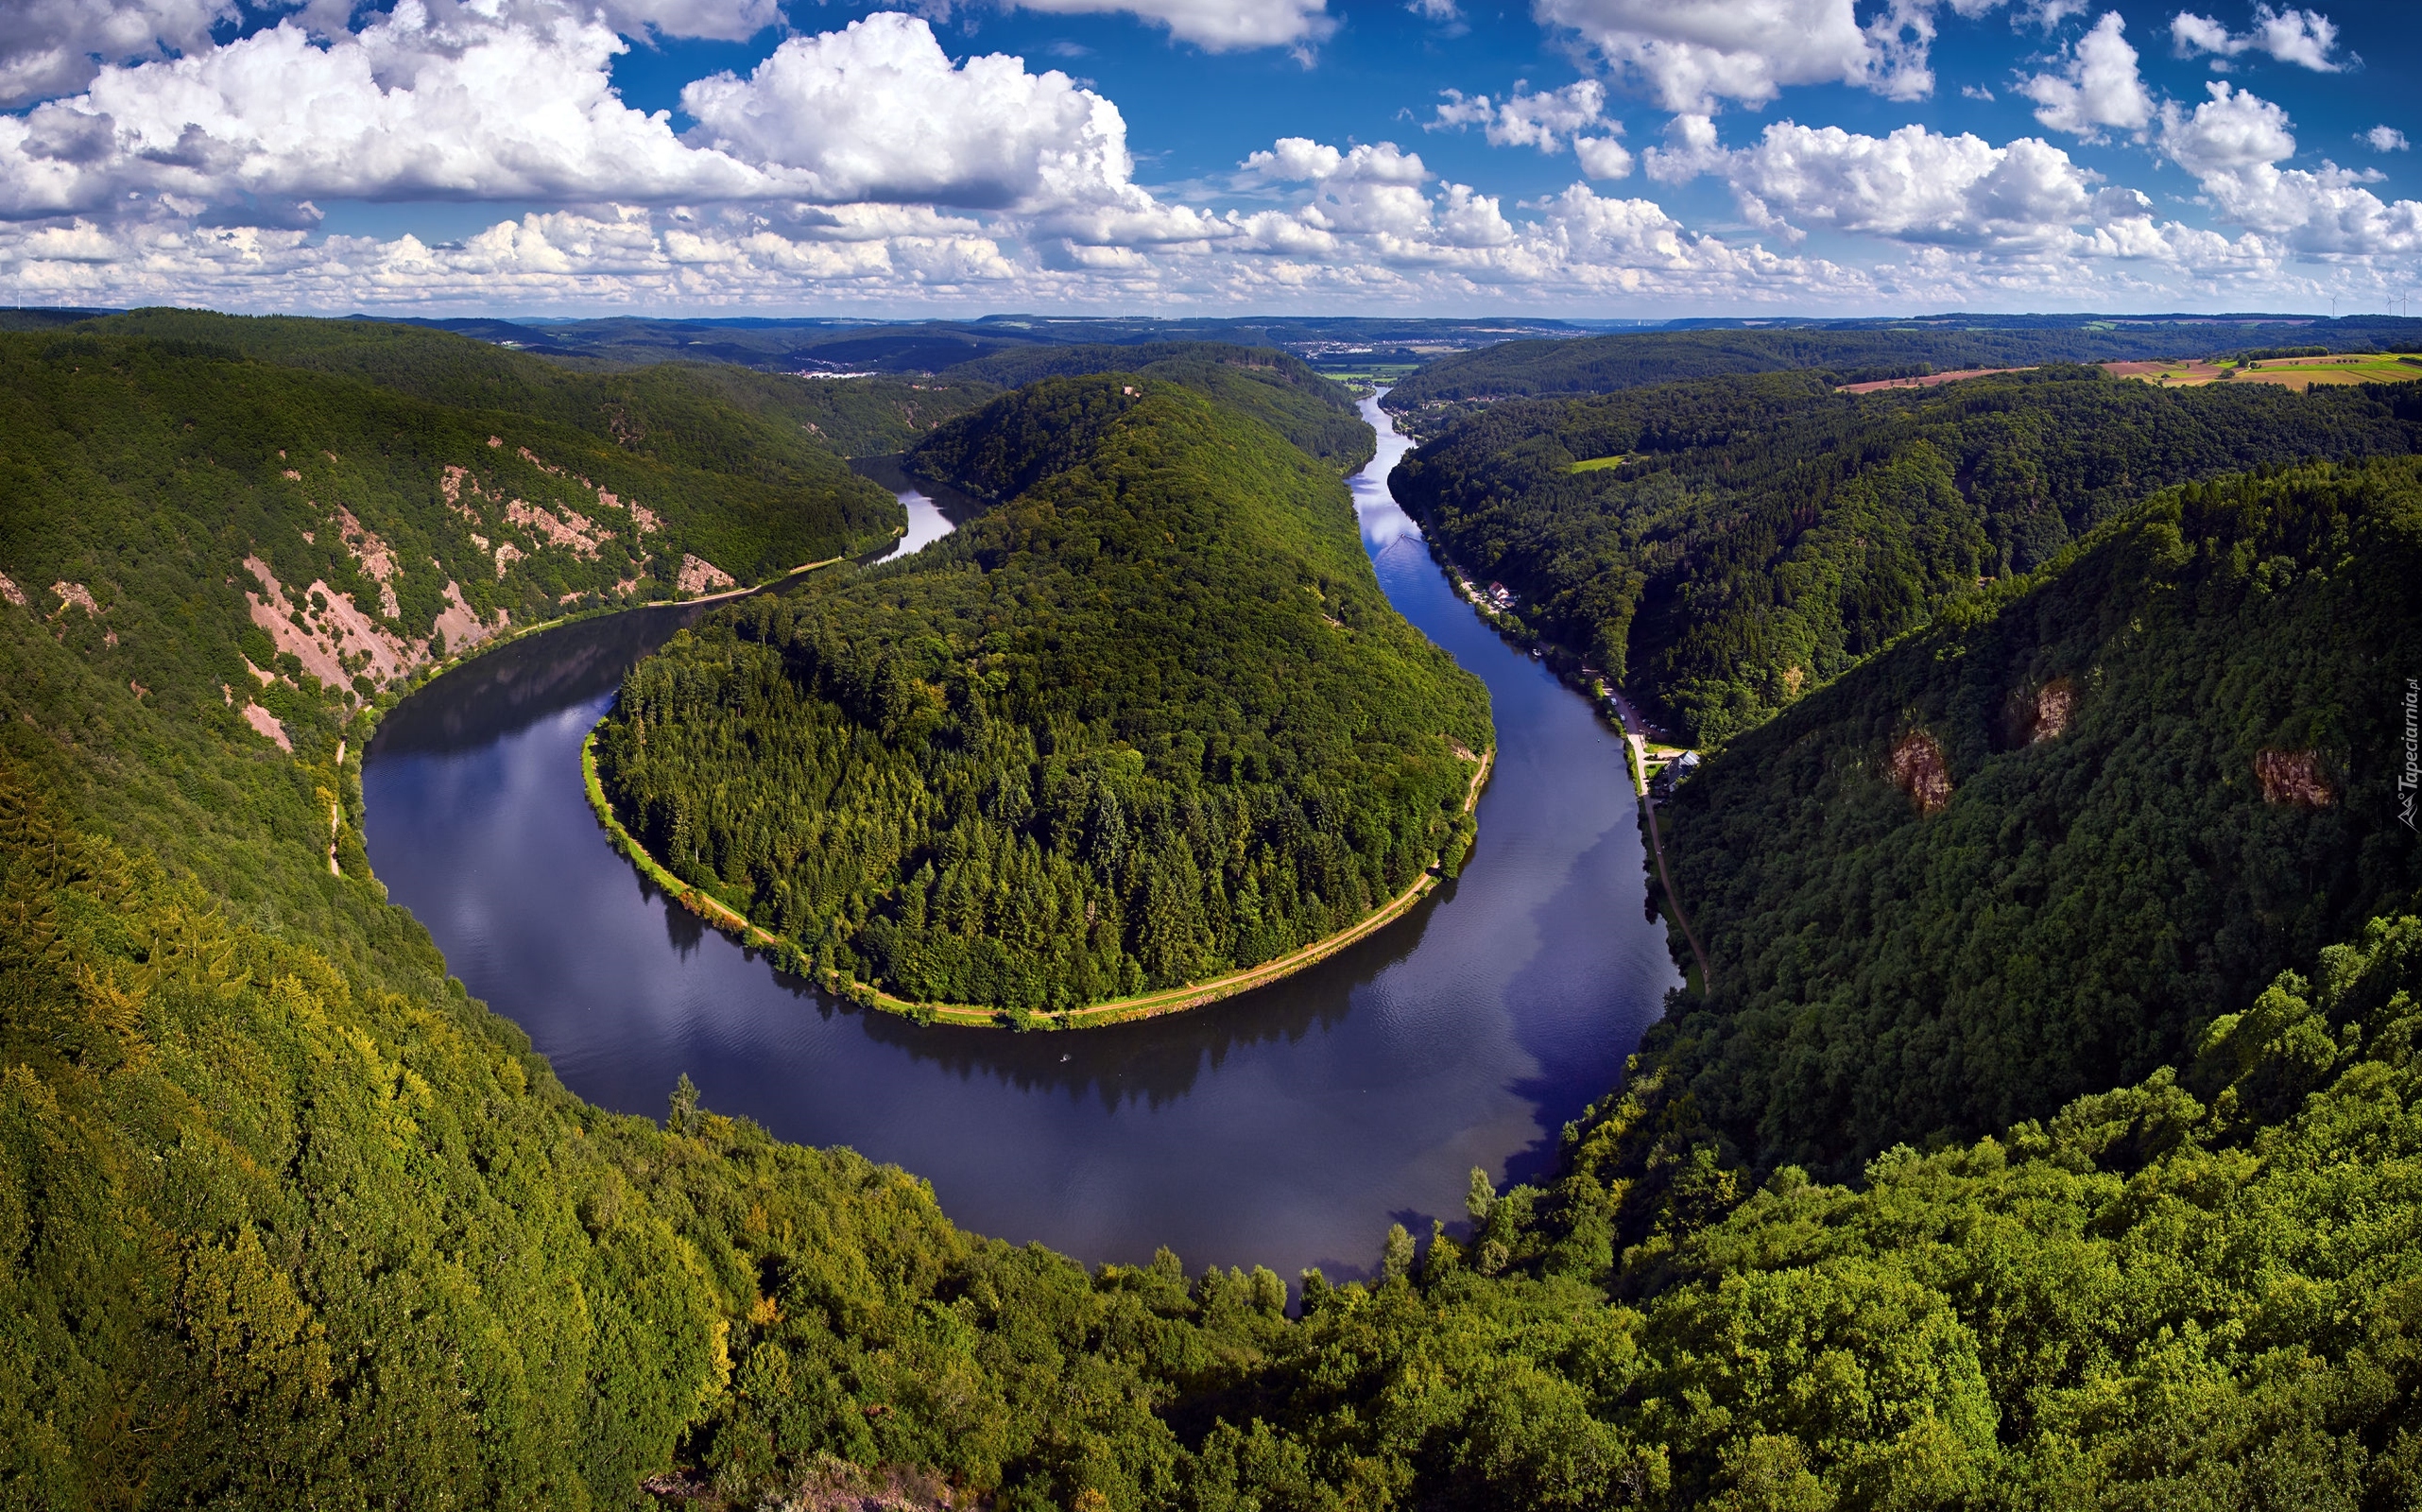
(1116, 1010)
(363, 721)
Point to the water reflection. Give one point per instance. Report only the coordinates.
(934, 510)
(1287, 1126)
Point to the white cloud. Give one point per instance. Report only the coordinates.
(1602, 156)
(1214, 25)
(2383, 139)
(1695, 53)
(1439, 11)
(1371, 207)
(2232, 131)
(1976, 92)
(877, 112)
(1690, 151)
(2098, 87)
(453, 104)
(48, 47)
(1547, 121)
(2046, 14)
(2304, 37)
(1913, 185)
(54, 47)
(435, 102)
(1300, 159)
(2233, 144)
(864, 165)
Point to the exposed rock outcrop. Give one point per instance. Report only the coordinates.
(1917, 769)
(2293, 777)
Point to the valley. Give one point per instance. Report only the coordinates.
(2053, 1046)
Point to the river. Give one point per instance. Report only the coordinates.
(1286, 1128)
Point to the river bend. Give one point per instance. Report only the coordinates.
(1287, 1128)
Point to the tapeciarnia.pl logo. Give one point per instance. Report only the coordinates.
(2410, 779)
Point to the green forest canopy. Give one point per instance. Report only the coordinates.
(1150, 721)
(2168, 766)
(1282, 392)
(1766, 533)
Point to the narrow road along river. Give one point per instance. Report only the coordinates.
(1286, 1128)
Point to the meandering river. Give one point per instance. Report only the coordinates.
(1287, 1128)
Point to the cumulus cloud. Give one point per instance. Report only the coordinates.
(456, 103)
(433, 102)
(2232, 131)
(1374, 206)
(2233, 144)
(1602, 156)
(877, 112)
(2383, 139)
(865, 164)
(1694, 53)
(1913, 185)
(1372, 190)
(54, 47)
(1214, 25)
(2097, 87)
(2304, 37)
(1690, 151)
(51, 47)
(1547, 121)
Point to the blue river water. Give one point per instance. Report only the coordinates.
(1286, 1128)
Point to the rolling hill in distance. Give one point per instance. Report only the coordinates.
(2045, 1133)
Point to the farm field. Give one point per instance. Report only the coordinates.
(1923, 380)
(2295, 372)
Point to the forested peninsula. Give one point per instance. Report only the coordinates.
(288, 1219)
(1147, 722)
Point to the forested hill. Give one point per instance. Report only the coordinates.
(271, 543)
(1275, 387)
(2029, 852)
(712, 414)
(1597, 365)
(1147, 722)
(1740, 541)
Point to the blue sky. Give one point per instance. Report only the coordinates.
(1592, 158)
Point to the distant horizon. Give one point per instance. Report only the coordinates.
(1593, 324)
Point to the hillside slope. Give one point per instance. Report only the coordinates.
(1149, 721)
(778, 428)
(277, 532)
(2028, 852)
(1742, 541)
